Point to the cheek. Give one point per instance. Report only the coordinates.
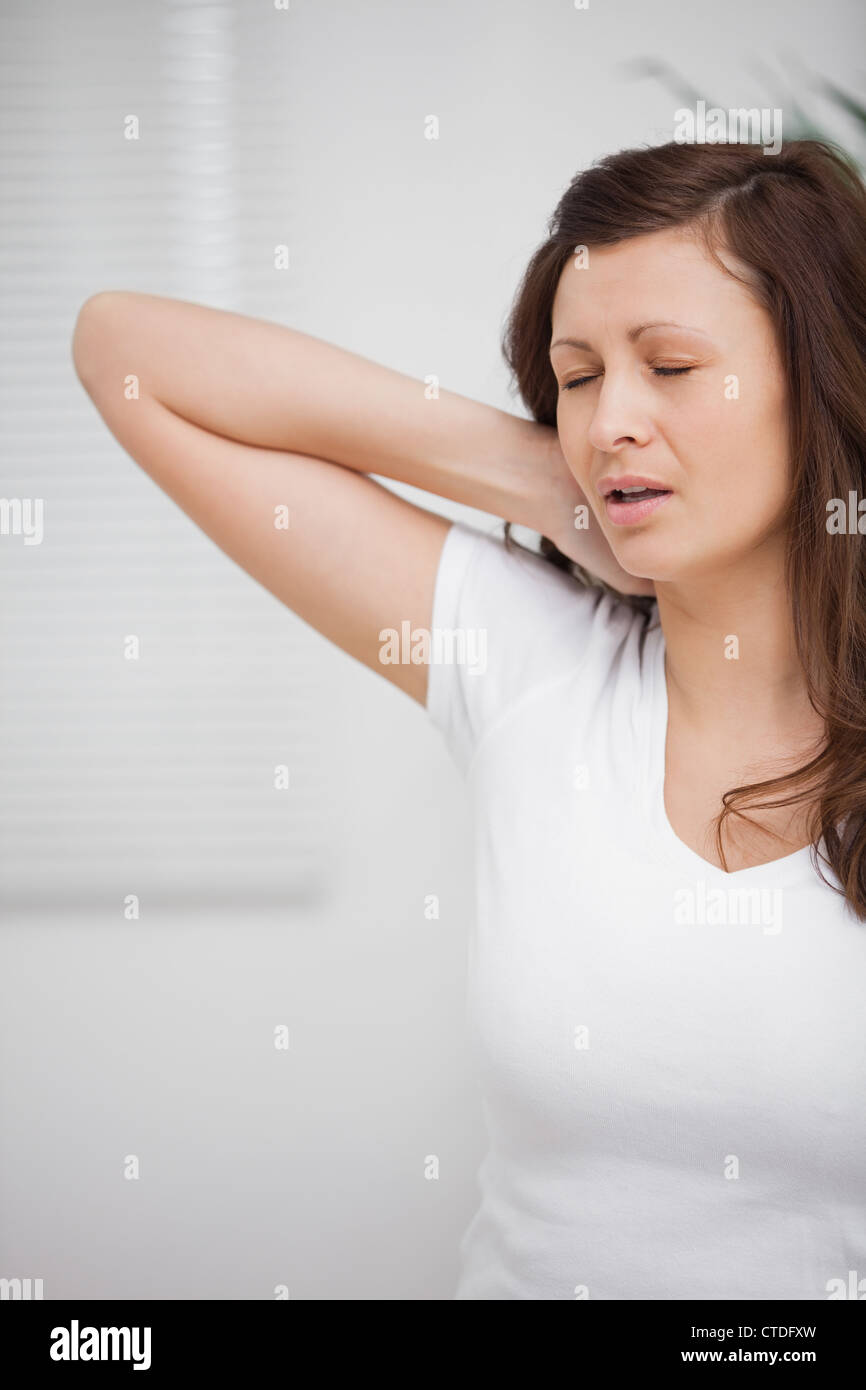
(751, 449)
(739, 491)
(572, 431)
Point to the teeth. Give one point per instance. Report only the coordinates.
(632, 489)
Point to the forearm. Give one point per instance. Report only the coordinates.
(266, 384)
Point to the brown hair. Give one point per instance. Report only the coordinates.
(798, 221)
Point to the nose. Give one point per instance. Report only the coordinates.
(620, 416)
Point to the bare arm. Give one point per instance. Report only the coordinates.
(266, 384)
(236, 416)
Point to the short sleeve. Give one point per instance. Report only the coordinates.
(505, 622)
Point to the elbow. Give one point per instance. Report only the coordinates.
(92, 334)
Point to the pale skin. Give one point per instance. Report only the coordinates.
(236, 416)
(715, 549)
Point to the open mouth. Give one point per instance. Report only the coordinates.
(627, 506)
(637, 494)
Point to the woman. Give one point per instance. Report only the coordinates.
(668, 769)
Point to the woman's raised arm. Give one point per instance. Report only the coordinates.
(235, 418)
(265, 384)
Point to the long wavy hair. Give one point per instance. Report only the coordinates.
(798, 221)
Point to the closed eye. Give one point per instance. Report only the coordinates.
(659, 371)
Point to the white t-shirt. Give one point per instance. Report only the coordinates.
(672, 1059)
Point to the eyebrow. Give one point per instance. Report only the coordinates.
(632, 335)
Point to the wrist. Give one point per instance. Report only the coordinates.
(538, 495)
(555, 494)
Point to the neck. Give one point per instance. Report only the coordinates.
(731, 660)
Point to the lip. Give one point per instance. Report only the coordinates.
(610, 481)
(630, 513)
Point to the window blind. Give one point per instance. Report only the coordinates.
(152, 777)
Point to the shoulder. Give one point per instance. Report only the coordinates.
(521, 623)
(518, 592)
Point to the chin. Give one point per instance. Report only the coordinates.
(642, 558)
(649, 560)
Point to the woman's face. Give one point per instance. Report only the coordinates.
(713, 437)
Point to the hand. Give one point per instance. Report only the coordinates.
(588, 546)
